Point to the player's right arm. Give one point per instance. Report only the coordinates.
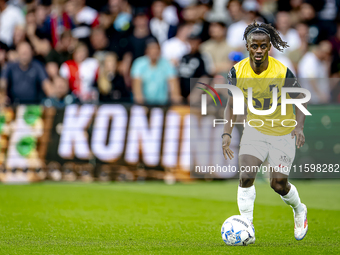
(228, 128)
(228, 116)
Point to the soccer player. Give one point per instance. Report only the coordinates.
(271, 142)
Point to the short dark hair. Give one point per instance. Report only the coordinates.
(230, 1)
(151, 40)
(220, 23)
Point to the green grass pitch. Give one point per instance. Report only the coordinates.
(153, 218)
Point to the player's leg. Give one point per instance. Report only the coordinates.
(283, 153)
(253, 151)
(287, 191)
(246, 191)
(289, 194)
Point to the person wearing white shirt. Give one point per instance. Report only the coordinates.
(313, 73)
(287, 33)
(10, 17)
(175, 48)
(159, 27)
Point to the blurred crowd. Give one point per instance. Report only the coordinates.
(59, 52)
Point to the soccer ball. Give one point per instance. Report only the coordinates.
(237, 230)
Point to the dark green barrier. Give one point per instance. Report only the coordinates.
(322, 146)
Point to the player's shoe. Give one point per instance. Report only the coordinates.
(301, 224)
(252, 240)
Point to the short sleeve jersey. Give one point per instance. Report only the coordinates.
(275, 76)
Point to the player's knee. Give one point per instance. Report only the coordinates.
(246, 181)
(279, 185)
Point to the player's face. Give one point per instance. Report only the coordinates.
(258, 46)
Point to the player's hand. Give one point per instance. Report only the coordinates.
(227, 152)
(300, 137)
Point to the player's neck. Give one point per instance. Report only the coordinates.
(259, 68)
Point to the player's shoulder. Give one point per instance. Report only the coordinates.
(276, 62)
(277, 66)
(241, 65)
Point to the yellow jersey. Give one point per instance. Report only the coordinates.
(275, 76)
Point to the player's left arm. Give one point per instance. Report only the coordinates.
(300, 119)
(291, 81)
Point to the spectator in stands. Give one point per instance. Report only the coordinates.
(56, 22)
(189, 13)
(308, 16)
(118, 13)
(218, 48)
(175, 48)
(3, 53)
(335, 41)
(236, 29)
(60, 54)
(192, 65)
(326, 15)
(296, 55)
(201, 26)
(62, 96)
(111, 85)
(154, 78)
(159, 27)
(335, 66)
(11, 16)
(287, 33)
(195, 13)
(49, 26)
(121, 11)
(25, 81)
(141, 33)
(242, 15)
(171, 12)
(313, 67)
(294, 10)
(18, 37)
(100, 44)
(81, 73)
(135, 43)
(39, 41)
(84, 18)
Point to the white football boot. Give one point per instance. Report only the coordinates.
(301, 224)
